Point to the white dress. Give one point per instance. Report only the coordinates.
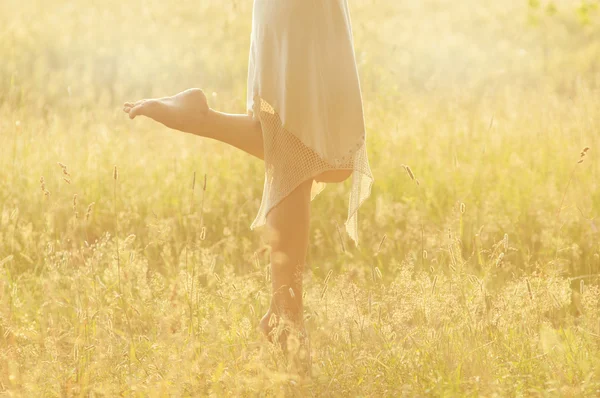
(304, 89)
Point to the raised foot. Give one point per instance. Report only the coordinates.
(185, 111)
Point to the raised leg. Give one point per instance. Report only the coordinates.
(288, 231)
(188, 111)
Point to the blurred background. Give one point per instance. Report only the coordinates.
(490, 103)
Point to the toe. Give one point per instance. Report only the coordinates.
(144, 108)
(133, 104)
(136, 110)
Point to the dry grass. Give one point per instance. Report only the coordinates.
(482, 279)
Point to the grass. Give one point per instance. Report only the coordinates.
(480, 280)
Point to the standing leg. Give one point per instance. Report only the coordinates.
(288, 231)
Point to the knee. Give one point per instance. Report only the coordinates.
(288, 221)
(334, 176)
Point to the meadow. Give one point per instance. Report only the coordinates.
(127, 265)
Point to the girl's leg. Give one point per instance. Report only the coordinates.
(288, 232)
(188, 111)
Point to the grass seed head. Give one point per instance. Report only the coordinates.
(381, 244)
(324, 291)
(434, 283)
(115, 173)
(582, 154)
(88, 212)
(410, 173)
(272, 320)
(500, 259)
(75, 206)
(328, 276)
(129, 240)
(43, 186)
(529, 289)
(64, 169)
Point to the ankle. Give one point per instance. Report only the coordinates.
(277, 328)
(288, 308)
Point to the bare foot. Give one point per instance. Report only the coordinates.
(185, 111)
(278, 329)
(264, 326)
(292, 338)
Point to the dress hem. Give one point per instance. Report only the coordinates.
(263, 222)
(351, 223)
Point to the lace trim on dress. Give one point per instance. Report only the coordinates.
(288, 163)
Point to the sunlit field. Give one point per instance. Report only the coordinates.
(127, 263)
